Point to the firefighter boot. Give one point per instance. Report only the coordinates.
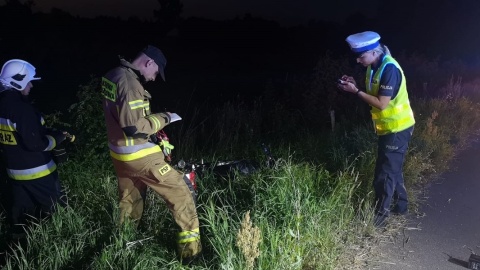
(189, 246)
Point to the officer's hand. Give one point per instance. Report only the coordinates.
(349, 79)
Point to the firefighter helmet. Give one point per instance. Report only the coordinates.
(17, 73)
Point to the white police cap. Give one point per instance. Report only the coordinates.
(364, 41)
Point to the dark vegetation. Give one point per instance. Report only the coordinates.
(237, 83)
(241, 65)
(215, 61)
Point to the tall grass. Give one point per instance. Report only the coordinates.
(311, 210)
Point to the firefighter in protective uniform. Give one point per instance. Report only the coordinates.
(393, 120)
(26, 146)
(138, 161)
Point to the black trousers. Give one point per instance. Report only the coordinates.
(5, 194)
(34, 199)
(388, 182)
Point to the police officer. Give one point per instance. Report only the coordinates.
(386, 93)
(26, 146)
(139, 163)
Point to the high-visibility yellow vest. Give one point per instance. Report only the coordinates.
(398, 114)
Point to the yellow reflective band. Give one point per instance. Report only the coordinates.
(383, 128)
(189, 236)
(51, 143)
(129, 141)
(136, 104)
(157, 124)
(5, 127)
(6, 124)
(109, 89)
(184, 233)
(387, 113)
(136, 155)
(32, 174)
(42, 121)
(7, 137)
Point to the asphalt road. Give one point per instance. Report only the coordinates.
(446, 229)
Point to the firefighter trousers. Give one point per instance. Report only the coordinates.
(152, 171)
(34, 199)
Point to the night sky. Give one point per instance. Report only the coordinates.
(287, 12)
(210, 51)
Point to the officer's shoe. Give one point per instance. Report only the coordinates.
(380, 221)
(399, 212)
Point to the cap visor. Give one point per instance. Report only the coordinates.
(162, 73)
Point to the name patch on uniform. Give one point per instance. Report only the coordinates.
(6, 137)
(109, 89)
(165, 169)
(391, 147)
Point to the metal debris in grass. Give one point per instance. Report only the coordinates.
(133, 243)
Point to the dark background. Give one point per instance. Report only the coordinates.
(213, 60)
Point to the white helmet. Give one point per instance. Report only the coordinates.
(17, 73)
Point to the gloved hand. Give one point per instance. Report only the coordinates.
(166, 147)
(58, 135)
(69, 137)
(59, 155)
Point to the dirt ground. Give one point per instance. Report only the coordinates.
(445, 229)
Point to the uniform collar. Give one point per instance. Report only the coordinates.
(132, 69)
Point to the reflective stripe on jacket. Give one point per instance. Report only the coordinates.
(33, 173)
(398, 114)
(129, 153)
(126, 105)
(24, 141)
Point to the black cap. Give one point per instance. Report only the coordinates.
(157, 56)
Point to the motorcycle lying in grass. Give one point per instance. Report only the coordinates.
(220, 169)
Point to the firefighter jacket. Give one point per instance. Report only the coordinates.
(398, 114)
(24, 141)
(128, 119)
